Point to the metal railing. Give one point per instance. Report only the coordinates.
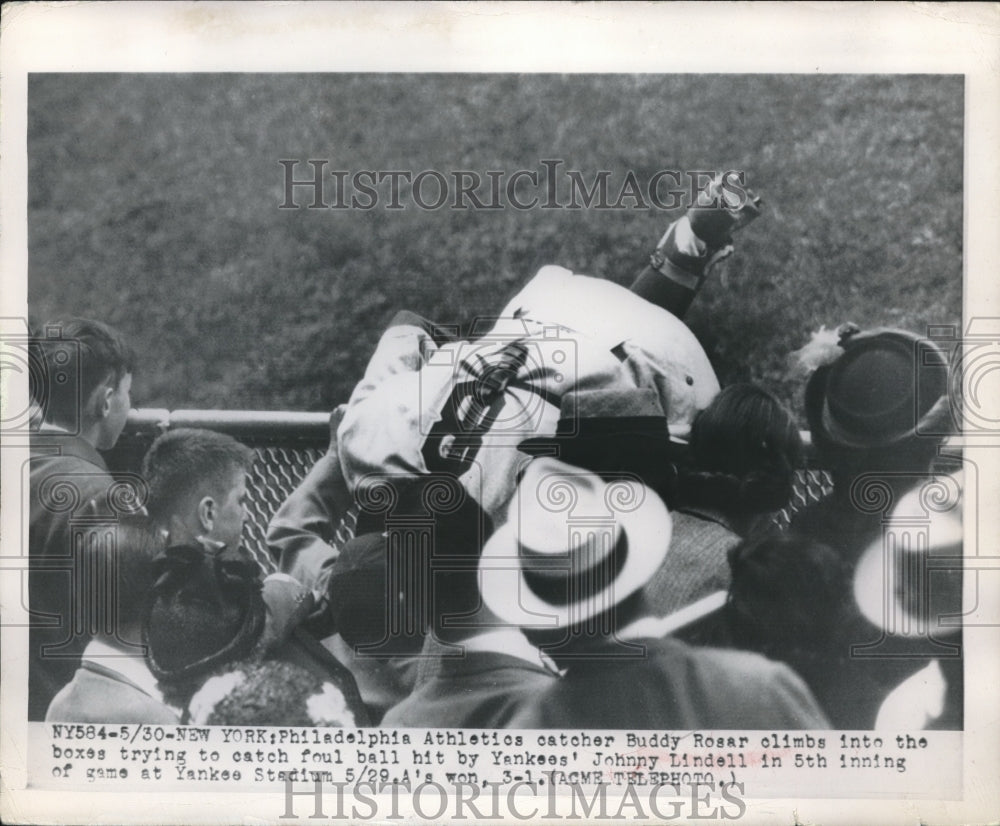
(287, 444)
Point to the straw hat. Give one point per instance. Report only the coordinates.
(573, 546)
(909, 582)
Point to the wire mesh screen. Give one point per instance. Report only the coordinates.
(287, 444)
(277, 471)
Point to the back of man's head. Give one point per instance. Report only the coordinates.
(76, 356)
(184, 466)
(424, 566)
(136, 546)
(115, 588)
(745, 449)
(787, 596)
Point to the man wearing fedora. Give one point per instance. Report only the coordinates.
(736, 472)
(569, 566)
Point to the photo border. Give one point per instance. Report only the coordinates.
(496, 37)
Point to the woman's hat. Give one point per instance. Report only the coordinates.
(272, 693)
(886, 387)
(206, 609)
(909, 581)
(573, 546)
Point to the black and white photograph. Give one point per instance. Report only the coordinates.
(470, 432)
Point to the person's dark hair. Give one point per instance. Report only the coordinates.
(435, 590)
(138, 545)
(75, 356)
(787, 596)
(188, 462)
(744, 450)
(118, 575)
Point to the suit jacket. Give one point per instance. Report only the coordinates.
(696, 564)
(69, 485)
(674, 686)
(98, 694)
(480, 688)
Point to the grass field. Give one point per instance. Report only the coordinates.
(153, 204)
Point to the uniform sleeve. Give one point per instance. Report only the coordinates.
(404, 347)
(681, 273)
(302, 532)
(390, 409)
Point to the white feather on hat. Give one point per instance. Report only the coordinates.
(823, 348)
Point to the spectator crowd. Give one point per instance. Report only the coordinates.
(560, 521)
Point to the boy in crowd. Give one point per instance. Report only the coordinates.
(84, 399)
(210, 610)
(197, 487)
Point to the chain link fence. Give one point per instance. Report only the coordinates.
(288, 444)
(275, 473)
